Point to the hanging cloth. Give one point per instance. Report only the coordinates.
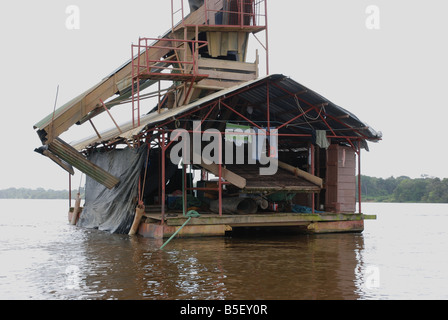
(321, 139)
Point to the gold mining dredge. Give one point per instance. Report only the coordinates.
(200, 82)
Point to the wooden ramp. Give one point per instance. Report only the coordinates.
(283, 180)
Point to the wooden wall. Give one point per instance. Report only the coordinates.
(341, 179)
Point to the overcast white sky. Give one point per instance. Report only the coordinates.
(394, 78)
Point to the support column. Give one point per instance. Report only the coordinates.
(359, 176)
(184, 190)
(163, 182)
(312, 172)
(267, 37)
(69, 191)
(220, 176)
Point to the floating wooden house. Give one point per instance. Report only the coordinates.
(135, 185)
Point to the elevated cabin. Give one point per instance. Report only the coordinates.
(236, 149)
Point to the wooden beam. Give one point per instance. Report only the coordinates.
(214, 64)
(300, 173)
(228, 175)
(78, 108)
(67, 153)
(226, 75)
(67, 167)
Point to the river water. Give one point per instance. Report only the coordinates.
(401, 255)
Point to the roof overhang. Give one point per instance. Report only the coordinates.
(287, 100)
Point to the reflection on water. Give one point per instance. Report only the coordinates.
(261, 268)
(42, 257)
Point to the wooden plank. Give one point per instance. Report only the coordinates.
(347, 179)
(260, 219)
(89, 100)
(225, 64)
(346, 171)
(228, 175)
(345, 207)
(213, 6)
(336, 226)
(195, 18)
(224, 84)
(236, 76)
(226, 28)
(298, 189)
(346, 186)
(347, 193)
(303, 174)
(67, 153)
(59, 162)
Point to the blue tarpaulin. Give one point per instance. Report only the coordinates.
(302, 209)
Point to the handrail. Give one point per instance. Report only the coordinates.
(247, 13)
(170, 62)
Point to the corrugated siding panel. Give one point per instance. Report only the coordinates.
(67, 153)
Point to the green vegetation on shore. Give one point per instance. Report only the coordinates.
(404, 189)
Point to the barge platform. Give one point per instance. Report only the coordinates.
(239, 124)
(208, 224)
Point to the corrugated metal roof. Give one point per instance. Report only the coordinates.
(153, 118)
(287, 100)
(283, 109)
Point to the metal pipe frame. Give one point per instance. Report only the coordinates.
(255, 16)
(159, 65)
(297, 135)
(221, 101)
(165, 145)
(313, 196)
(110, 115)
(197, 44)
(328, 115)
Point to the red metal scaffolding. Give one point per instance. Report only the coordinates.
(206, 110)
(163, 59)
(225, 13)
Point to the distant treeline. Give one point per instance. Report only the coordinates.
(404, 189)
(39, 193)
(401, 189)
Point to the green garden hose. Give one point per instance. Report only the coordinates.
(190, 214)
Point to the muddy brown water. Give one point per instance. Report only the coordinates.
(401, 255)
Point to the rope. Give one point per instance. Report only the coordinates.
(306, 116)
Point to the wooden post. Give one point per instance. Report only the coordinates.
(139, 211)
(76, 209)
(359, 178)
(69, 191)
(313, 173)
